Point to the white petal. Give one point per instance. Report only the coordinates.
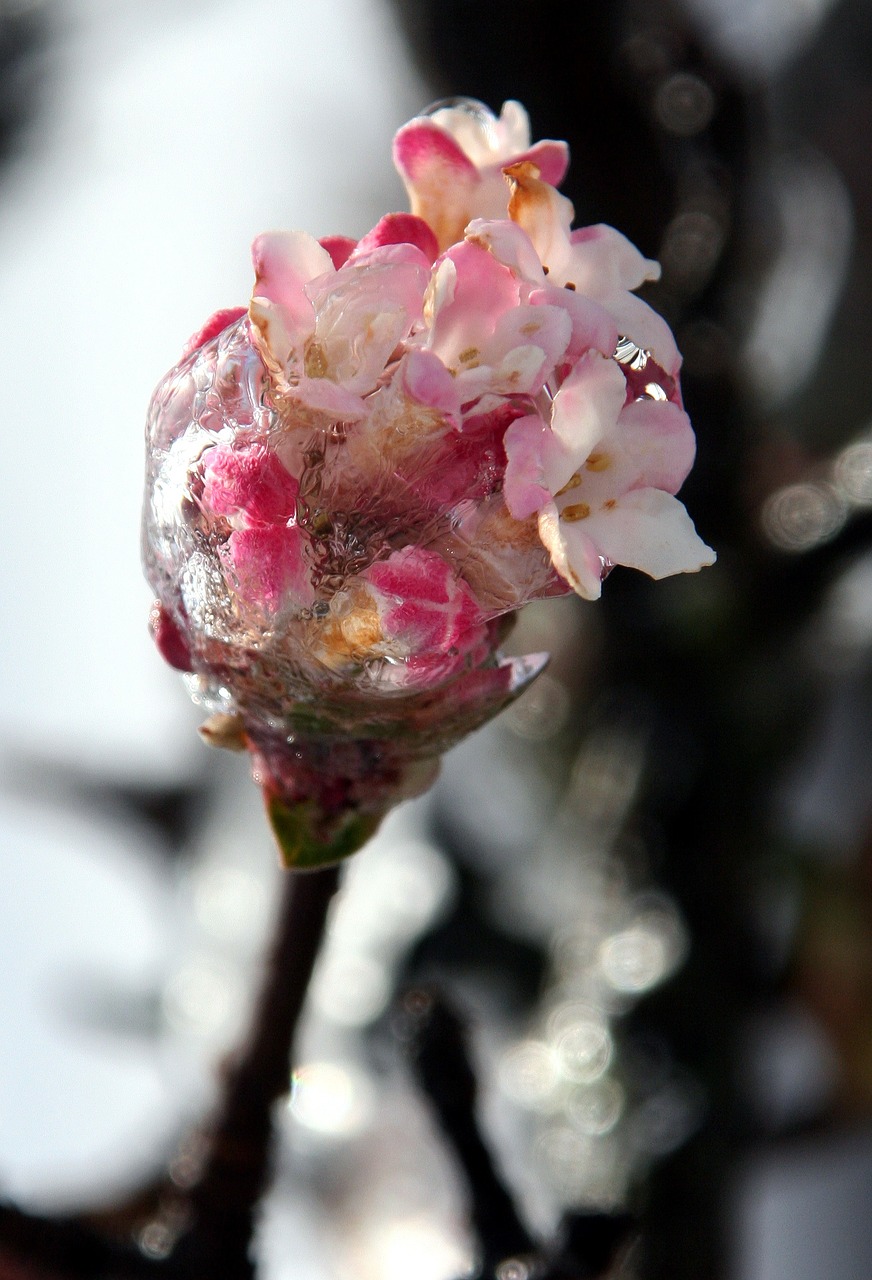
(585, 409)
(512, 129)
(648, 530)
(605, 260)
(573, 554)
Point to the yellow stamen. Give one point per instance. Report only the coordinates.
(598, 462)
(576, 511)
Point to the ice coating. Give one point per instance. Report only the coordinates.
(354, 483)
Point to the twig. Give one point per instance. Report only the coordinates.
(224, 1200)
(436, 1048)
(214, 1215)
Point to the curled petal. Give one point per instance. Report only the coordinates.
(544, 214)
(550, 158)
(645, 327)
(284, 261)
(524, 488)
(585, 409)
(400, 228)
(604, 260)
(281, 314)
(509, 244)
(438, 177)
(217, 323)
(573, 553)
(645, 529)
(340, 248)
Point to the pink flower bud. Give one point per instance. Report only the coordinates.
(401, 442)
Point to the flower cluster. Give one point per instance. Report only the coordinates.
(353, 482)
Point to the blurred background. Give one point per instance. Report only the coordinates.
(648, 886)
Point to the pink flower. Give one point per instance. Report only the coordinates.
(403, 440)
(452, 159)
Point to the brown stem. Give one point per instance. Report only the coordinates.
(224, 1199)
(220, 1206)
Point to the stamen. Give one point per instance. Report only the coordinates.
(577, 511)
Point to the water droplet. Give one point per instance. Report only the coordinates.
(629, 353)
(469, 106)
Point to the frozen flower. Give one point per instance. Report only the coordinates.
(451, 160)
(353, 483)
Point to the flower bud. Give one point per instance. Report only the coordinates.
(352, 485)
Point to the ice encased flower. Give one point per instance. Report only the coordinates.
(354, 483)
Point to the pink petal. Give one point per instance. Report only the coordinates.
(524, 487)
(327, 401)
(464, 321)
(585, 409)
(251, 480)
(339, 248)
(363, 311)
(400, 228)
(281, 313)
(650, 445)
(658, 442)
(509, 244)
(217, 323)
(550, 158)
(545, 329)
(425, 608)
(425, 380)
(605, 260)
(593, 327)
(283, 261)
(268, 566)
(422, 147)
(645, 327)
(438, 177)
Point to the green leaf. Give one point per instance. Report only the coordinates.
(301, 839)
